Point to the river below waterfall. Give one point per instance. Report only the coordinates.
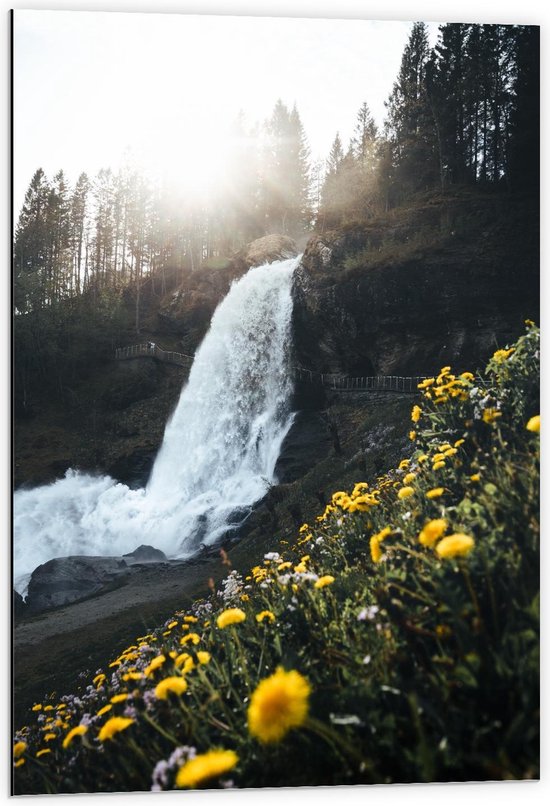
(218, 455)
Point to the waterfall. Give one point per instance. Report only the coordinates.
(217, 457)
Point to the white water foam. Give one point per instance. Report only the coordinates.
(219, 450)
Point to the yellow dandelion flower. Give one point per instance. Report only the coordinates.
(43, 752)
(155, 664)
(172, 625)
(450, 451)
(459, 442)
(114, 725)
(185, 661)
(191, 619)
(404, 463)
(105, 709)
(114, 664)
(467, 376)
(203, 657)
(409, 477)
(190, 638)
(438, 465)
(80, 730)
(265, 614)
(412, 435)
(375, 550)
(475, 477)
(301, 568)
(284, 566)
(534, 424)
(278, 704)
(490, 415)
(323, 581)
(303, 528)
(170, 685)
(457, 545)
(48, 708)
(359, 489)
(422, 458)
(132, 676)
(19, 762)
(416, 414)
(426, 383)
(18, 749)
(501, 355)
(234, 615)
(49, 737)
(119, 698)
(436, 492)
(202, 768)
(432, 531)
(405, 492)
(437, 457)
(37, 707)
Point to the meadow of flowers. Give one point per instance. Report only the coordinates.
(395, 640)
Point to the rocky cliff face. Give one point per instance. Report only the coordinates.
(443, 283)
(186, 312)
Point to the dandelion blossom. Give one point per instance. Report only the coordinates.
(114, 725)
(18, 749)
(323, 581)
(432, 531)
(154, 665)
(204, 767)
(170, 685)
(232, 616)
(534, 424)
(265, 614)
(405, 492)
(490, 415)
(80, 730)
(190, 638)
(415, 414)
(119, 698)
(457, 545)
(203, 657)
(279, 703)
(435, 493)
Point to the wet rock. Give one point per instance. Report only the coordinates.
(308, 441)
(369, 300)
(67, 579)
(145, 554)
(19, 605)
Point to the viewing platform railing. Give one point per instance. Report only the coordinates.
(332, 382)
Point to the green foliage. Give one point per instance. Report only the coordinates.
(411, 606)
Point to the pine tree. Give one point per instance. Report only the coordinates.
(410, 124)
(31, 246)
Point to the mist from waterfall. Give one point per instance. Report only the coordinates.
(218, 455)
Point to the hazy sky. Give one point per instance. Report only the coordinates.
(89, 87)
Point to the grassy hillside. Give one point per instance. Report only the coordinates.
(395, 639)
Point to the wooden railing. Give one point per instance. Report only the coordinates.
(333, 382)
(367, 383)
(151, 350)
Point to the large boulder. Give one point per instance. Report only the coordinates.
(145, 554)
(67, 579)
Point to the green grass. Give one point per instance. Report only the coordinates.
(422, 664)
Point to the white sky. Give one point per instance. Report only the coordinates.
(90, 87)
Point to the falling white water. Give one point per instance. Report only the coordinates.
(219, 450)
